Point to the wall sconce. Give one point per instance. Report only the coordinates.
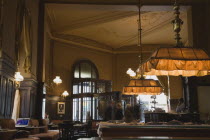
(65, 94)
(18, 78)
(57, 80)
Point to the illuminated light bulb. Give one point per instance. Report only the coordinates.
(129, 71)
(57, 80)
(65, 93)
(133, 74)
(18, 77)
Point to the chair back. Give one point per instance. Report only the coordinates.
(66, 130)
(7, 123)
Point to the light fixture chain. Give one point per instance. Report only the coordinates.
(177, 23)
(140, 40)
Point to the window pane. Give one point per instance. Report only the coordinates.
(93, 87)
(76, 109)
(93, 73)
(95, 109)
(76, 72)
(147, 105)
(87, 87)
(86, 108)
(101, 87)
(77, 88)
(85, 70)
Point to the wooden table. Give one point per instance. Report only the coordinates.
(52, 126)
(7, 134)
(138, 130)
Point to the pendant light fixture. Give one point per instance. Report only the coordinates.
(138, 85)
(178, 60)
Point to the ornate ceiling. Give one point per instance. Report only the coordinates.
(113, 26)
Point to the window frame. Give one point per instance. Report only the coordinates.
(82, 95)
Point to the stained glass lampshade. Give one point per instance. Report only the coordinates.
(143, 87)
(175, 61)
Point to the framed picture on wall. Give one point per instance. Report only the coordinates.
(61, 108)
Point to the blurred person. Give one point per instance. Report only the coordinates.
(118, 112)
(181, 106)
(129, 117)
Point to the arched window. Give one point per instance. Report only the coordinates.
(85, 69)
(85, 77)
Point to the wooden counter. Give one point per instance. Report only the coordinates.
(128, 130)
(7, 134)
(147, 138)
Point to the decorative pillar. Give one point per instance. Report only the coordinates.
(28, 90)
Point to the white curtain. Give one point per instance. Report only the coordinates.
(16, 107)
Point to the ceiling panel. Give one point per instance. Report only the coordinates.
(115, 25)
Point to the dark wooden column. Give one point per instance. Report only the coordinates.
(190, 93)
(186, 95)
(40, 53)
(201, 25)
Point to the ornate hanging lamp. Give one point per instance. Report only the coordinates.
(178, 60)
(138, 85)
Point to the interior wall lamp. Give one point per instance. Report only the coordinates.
(18, 78)
(65, 94)
(57, 80)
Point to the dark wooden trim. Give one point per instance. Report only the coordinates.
(40, 46)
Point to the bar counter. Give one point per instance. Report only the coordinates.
(139, 129)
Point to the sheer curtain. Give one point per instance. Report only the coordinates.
(16, 107)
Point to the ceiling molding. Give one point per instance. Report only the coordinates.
(82, 40)
(48, 21)
(81, 45)
(127, 50)
(162, 24)
(99, 19)
(147, 31)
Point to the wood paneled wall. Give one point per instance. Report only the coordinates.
(7, 86)
(28, 98)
